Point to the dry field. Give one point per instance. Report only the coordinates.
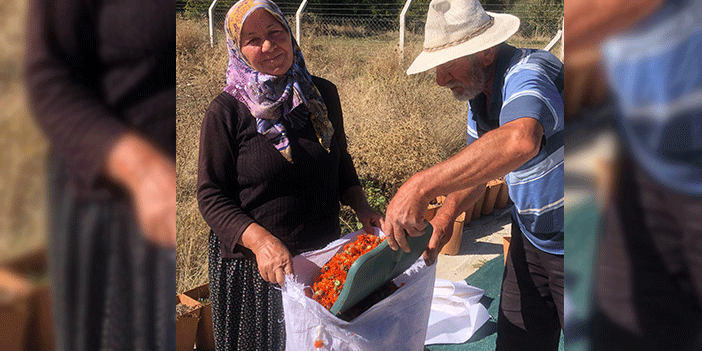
(22, 146)
(396, 125)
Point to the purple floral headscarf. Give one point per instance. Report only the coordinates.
(271, 99)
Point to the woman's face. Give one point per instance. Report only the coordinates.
(266, 43)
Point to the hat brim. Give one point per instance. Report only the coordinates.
(505, 26)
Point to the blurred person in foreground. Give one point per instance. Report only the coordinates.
(648, 274)
(515, 123)
(273, 167)
(102, 86)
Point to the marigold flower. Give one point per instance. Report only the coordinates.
(330, 282)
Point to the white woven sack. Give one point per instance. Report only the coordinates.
(398, 322)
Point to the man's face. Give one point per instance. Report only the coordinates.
(465, 76)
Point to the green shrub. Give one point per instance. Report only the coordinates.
(195, 9)
(539, 17)
(378, 198)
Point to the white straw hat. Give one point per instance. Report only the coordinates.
(457, 28)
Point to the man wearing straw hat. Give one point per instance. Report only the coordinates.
(515, 127)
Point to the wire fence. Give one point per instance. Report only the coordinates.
(381, 21)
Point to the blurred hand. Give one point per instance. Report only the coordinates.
(443, 230)
(405, 215)
(273, 259)
(155, 202)
(150, 178)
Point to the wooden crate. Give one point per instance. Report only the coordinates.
(502, 197)
(205, 333)
(186, 324)
(478, 208)
(505, 245)
(33, 267)
(15, 309)
(491, 193)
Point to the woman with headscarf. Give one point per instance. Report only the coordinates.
(273, 167)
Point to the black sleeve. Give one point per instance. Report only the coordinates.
(217, 189)
(61, 66)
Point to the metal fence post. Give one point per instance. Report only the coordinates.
(298, 14)
(553, 41)
(402, 29)
(210, 15)
(563, 43)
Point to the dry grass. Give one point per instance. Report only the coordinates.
(22, 146)
(396, 125)
(199, 77)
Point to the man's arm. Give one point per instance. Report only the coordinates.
(495, 154)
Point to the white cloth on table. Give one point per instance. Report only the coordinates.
(456, 312)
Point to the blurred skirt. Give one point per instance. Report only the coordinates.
(111, 290)
(247, 311)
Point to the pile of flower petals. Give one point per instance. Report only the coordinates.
(328, 285)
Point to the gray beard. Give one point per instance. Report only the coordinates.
(465, 95)
(470, 92)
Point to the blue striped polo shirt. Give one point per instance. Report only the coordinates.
(529, 83)
(655, 73)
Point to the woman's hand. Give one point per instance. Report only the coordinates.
(272, 257)
(274, 260)
(150, 178)
(356, 198)
(369, 218)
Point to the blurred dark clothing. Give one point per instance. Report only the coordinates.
(96, 69)
(111, 289)
(531, 299)
(648, 283)
(242, 178)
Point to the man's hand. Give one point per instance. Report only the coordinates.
(405, 214)
(454, 204)
(150, 178)
(443, 230)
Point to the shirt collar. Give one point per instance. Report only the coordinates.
(504, 56)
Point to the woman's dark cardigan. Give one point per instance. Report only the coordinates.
(243, 179)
